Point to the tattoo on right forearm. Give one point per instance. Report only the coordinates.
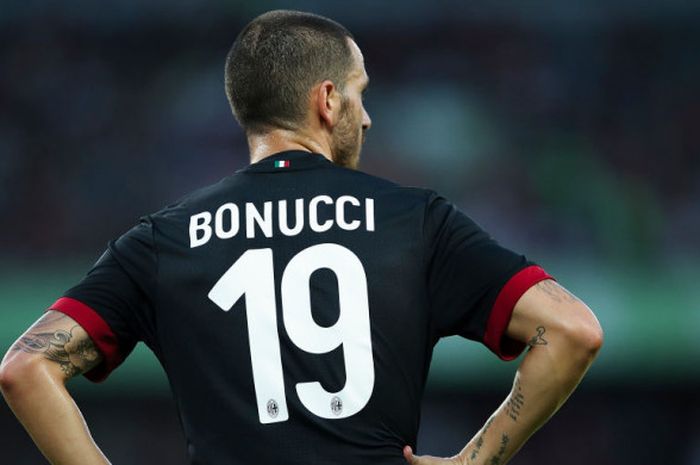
(515, 402)
(480, 440)
(498, 458)
(74, 357)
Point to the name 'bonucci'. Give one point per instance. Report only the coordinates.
(227, 221)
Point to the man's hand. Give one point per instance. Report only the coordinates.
(429, 459)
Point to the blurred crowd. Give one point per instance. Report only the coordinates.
(569, 129)
(579, 136)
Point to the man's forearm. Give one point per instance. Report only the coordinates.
(47, 411)
(546, 377)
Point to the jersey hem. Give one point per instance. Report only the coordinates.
(495, 338)
(99, 331)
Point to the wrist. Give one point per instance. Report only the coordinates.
(469, 454)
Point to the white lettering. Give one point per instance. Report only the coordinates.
(313, 214)
(369, 214)
(227, 221)
(200, 222)
(233, 213)
(298, 217)
(253, 217)
(340, 212)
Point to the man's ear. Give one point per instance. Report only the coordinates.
(328, 103)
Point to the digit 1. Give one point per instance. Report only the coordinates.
(252, 275)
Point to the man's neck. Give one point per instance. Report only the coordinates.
(281, 140)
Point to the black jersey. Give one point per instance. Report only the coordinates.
(294, 307)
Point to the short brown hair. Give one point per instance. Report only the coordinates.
(276, 60)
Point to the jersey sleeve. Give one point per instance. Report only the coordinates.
(474, 283)
(114, 301)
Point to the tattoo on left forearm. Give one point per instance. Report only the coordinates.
(74, 357)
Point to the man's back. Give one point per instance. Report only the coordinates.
(295, 305)
(323, 303)
(290, 273)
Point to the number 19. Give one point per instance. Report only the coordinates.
(252, 275)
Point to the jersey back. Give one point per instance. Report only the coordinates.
(294, 307)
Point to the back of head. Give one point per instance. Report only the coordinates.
(274, 63)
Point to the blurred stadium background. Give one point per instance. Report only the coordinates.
(569, 129)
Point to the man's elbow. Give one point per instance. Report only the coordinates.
(8, 377)
(591, 339)
(585, 334)
(17, 372)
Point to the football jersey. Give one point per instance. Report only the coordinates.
(294, 307)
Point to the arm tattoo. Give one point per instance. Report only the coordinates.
(74, 356)
(515, 402)
(498, 458)
(556, 291)
(538, 339)
(480, 440)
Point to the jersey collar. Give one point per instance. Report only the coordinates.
(291, 160)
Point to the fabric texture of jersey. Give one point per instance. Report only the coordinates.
(430, 272)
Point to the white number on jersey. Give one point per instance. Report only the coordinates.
(252, 275)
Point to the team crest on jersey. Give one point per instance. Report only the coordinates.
(336, 405)
(272, 408)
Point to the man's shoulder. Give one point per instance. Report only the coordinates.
(188, 202)
(390, 188)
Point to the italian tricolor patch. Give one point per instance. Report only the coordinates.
(282, 164)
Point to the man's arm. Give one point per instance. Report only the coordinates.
(33, 375)
(564, 337)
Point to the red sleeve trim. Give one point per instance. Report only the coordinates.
(495, 338)
(99, 331)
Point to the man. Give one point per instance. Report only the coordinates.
(295, 304)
